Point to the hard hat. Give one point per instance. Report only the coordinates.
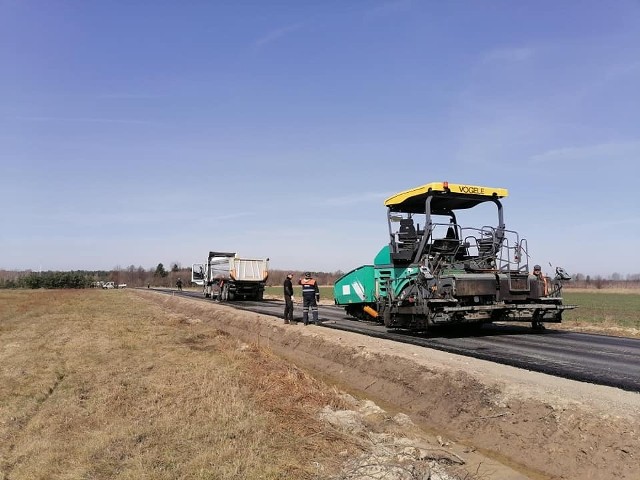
(307, 274)
(537, 267)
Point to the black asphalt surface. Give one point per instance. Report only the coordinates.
(597, 359)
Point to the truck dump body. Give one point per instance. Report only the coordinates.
(225, 276)
(435, 272)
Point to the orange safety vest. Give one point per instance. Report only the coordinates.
(308, 286)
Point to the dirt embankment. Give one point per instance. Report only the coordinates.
(540, 426)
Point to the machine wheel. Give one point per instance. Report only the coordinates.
(537, 326)
(476, 327)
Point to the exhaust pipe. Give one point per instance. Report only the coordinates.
(367, 309)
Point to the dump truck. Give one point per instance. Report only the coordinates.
(438, 270)
(226, 276)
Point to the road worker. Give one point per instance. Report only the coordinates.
(310, 298)
(288, 299)
(219, 288)
(537, 272)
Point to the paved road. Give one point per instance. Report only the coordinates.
(598, 359)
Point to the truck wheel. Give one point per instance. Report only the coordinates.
(260, 295)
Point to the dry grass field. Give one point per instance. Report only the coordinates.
(99, 385)
(118, 384)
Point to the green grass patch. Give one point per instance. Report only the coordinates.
(600, 308)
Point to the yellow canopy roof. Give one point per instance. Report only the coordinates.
(450, 196)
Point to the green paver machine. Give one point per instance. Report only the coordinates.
(435, 271)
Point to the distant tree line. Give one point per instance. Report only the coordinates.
(159, 276)
(132, 276)
(47, 280)
(276, 277)
(615, 280)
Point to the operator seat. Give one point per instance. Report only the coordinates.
(407, 242)
(407, 236)
(448, 245)
(451, 233)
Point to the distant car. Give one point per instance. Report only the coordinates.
(122, 285)
(108, 285)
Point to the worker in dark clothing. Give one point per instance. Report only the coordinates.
(542, 281)
(179, 284)
(310, 298)
(288, 299)
(218, 288)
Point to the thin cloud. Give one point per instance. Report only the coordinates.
(158, 216)
(274, 35)
(508, 54)
(231, 216)
(127, 121)
(603, 77)
(603, 151)
(602, 224)
(356, 199)
(128, 96)
(388, 8)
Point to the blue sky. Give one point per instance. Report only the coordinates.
(142, 132)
